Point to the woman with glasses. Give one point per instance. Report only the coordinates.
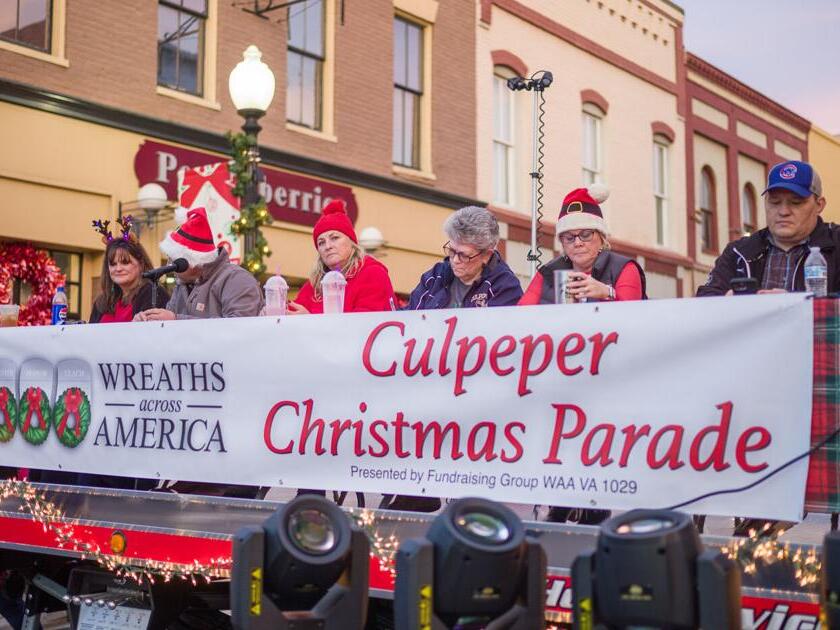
(598, 274)
(472, 274)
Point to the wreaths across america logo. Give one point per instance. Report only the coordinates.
(33, 417)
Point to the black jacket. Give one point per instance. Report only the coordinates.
(141, 302)
(747, 257)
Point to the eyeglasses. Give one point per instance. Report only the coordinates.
(454, 254)
(584, 235)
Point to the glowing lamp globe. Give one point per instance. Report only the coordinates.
(251, 83)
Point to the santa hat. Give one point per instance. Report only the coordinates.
(192, 239)
(334, 217)
(580, 210)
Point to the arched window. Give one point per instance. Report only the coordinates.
(593, 152)
(661, 185)
(503, 137)
(749, 220)
(708, 211)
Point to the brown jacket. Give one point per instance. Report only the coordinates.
(222, 290)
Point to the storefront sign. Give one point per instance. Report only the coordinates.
(290, 197)
(618, 405)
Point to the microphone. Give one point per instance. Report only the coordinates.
(178, 265)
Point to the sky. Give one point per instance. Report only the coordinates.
(788, 50)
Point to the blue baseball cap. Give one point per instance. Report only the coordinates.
(798, 177)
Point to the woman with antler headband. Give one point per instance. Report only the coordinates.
(124, 290)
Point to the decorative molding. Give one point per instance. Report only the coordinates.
(664, 129)
(727, 81)
(78, 109)
(509, 60)
(594, 97)
(535, 18)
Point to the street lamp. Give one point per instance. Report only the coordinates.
(251, 86)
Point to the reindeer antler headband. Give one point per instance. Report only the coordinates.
(125, 223)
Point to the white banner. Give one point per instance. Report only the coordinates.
(618, 405)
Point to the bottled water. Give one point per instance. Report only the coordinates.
(59, 307)
(816, 273)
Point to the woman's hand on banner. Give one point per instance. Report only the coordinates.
(154, 315)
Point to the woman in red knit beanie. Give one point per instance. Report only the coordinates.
(368, 283)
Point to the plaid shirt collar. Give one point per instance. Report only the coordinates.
(780, 269)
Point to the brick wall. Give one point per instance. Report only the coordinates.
(112, 51)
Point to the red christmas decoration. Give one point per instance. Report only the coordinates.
(24, 262)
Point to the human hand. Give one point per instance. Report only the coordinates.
(585, 287)
(293, 308)
(154, 315)
(766, 291)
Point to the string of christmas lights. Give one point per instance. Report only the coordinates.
(763, 546)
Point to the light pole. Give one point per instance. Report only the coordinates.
(251, 86)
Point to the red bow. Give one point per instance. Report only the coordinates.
(72, 399)
(4, 407)
(33, 397)
(219, 178)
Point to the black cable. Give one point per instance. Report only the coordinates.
(539, 85)
(822, 443)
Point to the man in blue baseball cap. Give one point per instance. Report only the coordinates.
(775, 255)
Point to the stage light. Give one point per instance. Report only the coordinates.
(830, 586)
(649, 569)
(475, 568)
(305, 567)
(517, 83)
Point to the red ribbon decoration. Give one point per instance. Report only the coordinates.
(72, 399)
(33, 397)
(4, 407)
(219, 178)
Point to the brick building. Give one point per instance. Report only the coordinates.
(400, 106)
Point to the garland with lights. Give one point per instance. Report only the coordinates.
(53, 520)
(253, 216)
(763, 546)
(22, 261)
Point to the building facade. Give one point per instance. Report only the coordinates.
(402, 108)
(97, 99)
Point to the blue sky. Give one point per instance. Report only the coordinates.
(787, 49)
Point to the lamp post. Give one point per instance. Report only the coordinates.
(251, 87)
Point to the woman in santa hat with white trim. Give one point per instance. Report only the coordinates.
(602, 274)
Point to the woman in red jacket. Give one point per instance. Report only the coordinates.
(368, 283)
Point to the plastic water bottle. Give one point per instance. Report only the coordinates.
(276, 290)
(816, 273)
(332, 288)
(59, 307)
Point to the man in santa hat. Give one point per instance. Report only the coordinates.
(211, 286)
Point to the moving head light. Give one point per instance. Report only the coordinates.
(305, 567)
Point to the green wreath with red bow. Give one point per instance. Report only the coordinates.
(34, 407)
(8, 414)
(72, 404)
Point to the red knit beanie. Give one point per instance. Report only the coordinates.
(334, 217)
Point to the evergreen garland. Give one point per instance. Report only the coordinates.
(253, 215)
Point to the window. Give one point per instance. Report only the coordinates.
(408, 90)
(305, 64)
(708, 232)
(660, 187)
(181, 44)
(70, 265)
(503, 149)
(592, 150)
(26, 22)
(748, 217)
